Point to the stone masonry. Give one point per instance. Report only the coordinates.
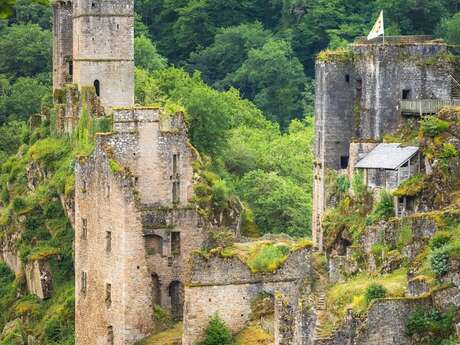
(134, 226)
(358, 96)
(94, 46)
(226, 286)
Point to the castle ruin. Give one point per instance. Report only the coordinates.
(364, 93)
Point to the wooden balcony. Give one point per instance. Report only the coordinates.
(426, 106)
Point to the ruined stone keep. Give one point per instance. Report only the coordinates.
(361, 95)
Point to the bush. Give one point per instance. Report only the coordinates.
(217, 333)
(375, 291)
(358, 186)
(383, 210)
(432, 126)
(439, 261)
(432, 323)
(439, 240)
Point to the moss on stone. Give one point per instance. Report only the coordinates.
(116, 167)
(343, 55)
(411, 187)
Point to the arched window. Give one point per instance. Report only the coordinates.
(97, 86)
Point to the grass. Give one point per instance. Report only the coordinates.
(264, 255)
(169, 337)
(254, 335)
(351, 294)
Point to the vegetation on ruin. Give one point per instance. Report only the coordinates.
(264, 255)
(254, 334)
(358, 292)
(168, 337)
(431, 327)
(411, 187)
(217, 333)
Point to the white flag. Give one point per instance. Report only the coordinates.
(378, 28)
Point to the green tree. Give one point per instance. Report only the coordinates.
(146, 55)
(25, 97)
(274, 79)
(450, 29)
(279, 204)
(32, 12)
(229, 51)
(217, 333)
(25, 50)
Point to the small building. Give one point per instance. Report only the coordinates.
(389, 165)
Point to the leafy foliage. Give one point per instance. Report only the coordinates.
(375, 291)
(434, 325)
(217, 333)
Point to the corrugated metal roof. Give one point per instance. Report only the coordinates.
(387, 156)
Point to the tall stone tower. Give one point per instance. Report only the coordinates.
(359, 98)
(62, 47)
(103, 49)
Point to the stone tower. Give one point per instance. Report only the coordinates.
(103, 49)
(62, 47)
(359, 94)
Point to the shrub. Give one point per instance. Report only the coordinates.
(439, 240)
(383, 209)
(19, 204)
(375, 291)
(448, 151)
(431, 323)
(217, 333)
(439, 261)
(358, 186)
(431, 126)
(411, 187)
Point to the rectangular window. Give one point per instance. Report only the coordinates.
(176, 192)
(84, 282)
(110, 337)
(108, 295)
(344, 162)
(175, 243)
(406, 94)
(175, 164)
(108, 238)
(84, 229)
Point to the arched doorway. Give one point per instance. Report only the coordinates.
(176, 292)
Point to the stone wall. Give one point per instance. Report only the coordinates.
(226, 286)
(131, 239)
(103, 49)
(62, 43)
(358, 97)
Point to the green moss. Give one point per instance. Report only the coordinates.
(116, 167)
(411, 187)
(339, 56)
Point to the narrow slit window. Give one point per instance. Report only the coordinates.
(110, 337)
(176, 192)
(70, 64)
(108, 295)
(84, 229)
(108, 238)
(175, 164)
(347, 78)
(84, 282)
(175, 243)
(97, 87)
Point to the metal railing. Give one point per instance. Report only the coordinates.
(426, 106)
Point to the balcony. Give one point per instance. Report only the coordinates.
(426, 106)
